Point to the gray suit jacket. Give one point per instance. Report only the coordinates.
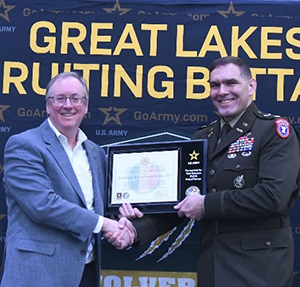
(48, 223)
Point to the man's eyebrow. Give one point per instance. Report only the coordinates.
(61, 94)
(224, 80)
(231, 80)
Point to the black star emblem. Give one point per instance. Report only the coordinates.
(112, 114)
(4, 9)
(231, 10)
(117, 7)
(2, 109)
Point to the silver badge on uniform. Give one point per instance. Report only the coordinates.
(239, 181)
(246, 153)
(231, 155)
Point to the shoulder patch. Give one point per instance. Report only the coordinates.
(266, 116)
(282, 128)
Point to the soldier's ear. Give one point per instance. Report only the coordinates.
(252, 86)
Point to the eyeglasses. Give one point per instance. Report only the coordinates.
(60, 100)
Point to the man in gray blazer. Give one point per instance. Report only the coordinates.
(54, 180)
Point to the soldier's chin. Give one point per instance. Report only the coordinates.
(227, 115)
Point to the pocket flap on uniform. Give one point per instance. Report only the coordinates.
(267, 238)
(36, 246)
(240, 163)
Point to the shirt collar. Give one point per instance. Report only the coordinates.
(81, 136)
(232, 122)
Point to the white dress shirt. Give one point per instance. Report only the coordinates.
(80, 164)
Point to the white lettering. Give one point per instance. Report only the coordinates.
(5, 129)
(7, 29)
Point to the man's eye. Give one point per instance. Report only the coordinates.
(59, 99)
(76, 99)
(231, 83)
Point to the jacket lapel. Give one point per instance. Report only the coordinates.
(63, 162)
(92, 158)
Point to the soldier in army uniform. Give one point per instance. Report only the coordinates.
(252, 181)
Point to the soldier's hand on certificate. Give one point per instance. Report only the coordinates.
(191, 206)
(129, 212)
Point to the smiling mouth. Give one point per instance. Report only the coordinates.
(228, 101)
(67, 115)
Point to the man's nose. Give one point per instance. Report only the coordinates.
(223, 89)
(68, 103)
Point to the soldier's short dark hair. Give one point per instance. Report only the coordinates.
(243, 66)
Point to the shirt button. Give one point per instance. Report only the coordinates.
(213, 190)
(212, 172)
(82, 252)
(268, 243)
(238, 166)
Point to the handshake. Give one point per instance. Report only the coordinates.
(121, 233)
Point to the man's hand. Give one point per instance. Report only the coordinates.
(120, 234)
(126, 210)
(191, 206)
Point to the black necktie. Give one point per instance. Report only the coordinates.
(224, 131)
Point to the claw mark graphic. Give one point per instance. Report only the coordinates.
(179, 240)
(157, 243)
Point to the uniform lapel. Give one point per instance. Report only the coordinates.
(212, 137)
(63, 162)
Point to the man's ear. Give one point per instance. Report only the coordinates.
(252, 86)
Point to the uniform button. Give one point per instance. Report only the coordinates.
(213, 190)
(82, 252)
(268, 243)
(212, 172)
(238, 166)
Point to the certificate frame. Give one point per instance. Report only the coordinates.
(154, 176)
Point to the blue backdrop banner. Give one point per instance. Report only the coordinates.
(146, 65)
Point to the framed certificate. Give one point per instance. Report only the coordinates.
(155, 176)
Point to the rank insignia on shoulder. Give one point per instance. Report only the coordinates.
(266, 116)
(282, 128)
(213, 122)
(205, 126)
